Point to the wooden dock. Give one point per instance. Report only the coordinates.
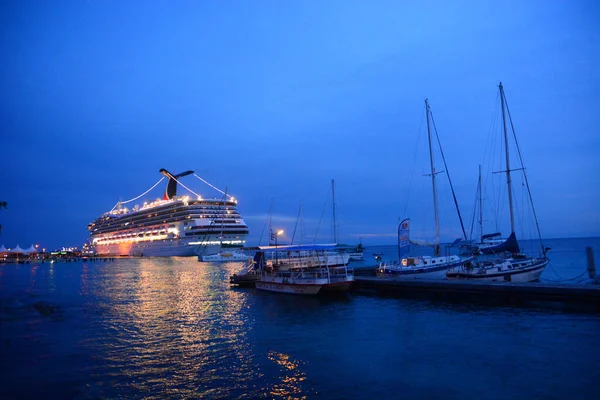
(571, 297)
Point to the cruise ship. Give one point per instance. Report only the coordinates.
(171, 226)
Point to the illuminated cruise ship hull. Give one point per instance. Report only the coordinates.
(179, 247)
(173, 227)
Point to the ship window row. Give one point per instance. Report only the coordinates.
(133, 235)
(153, 225)
(217, 223)
(123, 221)
(153, 220)
(146, 224)
(230, 206)
(162, 233)
(133, 218)
(215, 227)
(191, 204)
(226, 232)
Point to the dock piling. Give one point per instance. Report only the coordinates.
(591, 266)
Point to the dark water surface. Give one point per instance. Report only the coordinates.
(173, 328)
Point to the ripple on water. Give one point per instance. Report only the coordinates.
(173, 328)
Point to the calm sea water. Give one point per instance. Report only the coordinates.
(173, 328)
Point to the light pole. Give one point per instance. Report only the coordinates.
(279, 232)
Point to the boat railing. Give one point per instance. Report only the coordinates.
(309, 261)
(295, 274)
(340, 271)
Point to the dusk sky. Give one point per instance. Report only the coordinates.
(273, 99)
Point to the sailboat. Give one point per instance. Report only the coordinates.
(491, 243)
(508, 264)
(423, 267)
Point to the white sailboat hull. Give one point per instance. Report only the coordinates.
(439, 274)
(429, 271)
(502, 273)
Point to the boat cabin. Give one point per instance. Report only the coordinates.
(427, 261)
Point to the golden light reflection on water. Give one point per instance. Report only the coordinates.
(84, 288)
(290, 380)
(32, 278)
(178, 328)
(51, 278)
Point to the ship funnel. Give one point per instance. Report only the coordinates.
(171, 190)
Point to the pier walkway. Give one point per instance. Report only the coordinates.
(580, 297)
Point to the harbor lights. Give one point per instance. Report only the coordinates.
(279, 232)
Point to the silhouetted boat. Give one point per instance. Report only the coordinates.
(423, 267)
(509, 264)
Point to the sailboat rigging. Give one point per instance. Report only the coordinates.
(509, 264)
(424, 266)
(298, 220)
(490, 243)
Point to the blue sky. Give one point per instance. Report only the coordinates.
(273, 99)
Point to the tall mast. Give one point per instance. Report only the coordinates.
(296, 226)
(480, 206)
(271, 222)
(508, 180)
(435, 208)
(333, 201)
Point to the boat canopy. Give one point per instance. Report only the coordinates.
(293, 247)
